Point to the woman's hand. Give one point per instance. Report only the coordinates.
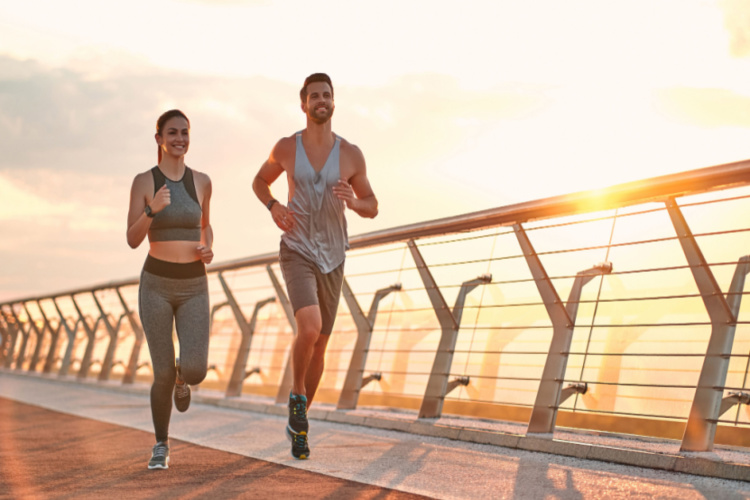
(206, 254)
(162, 198)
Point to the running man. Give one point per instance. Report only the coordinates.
(325, 174)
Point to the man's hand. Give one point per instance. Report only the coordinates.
(344, 192)
(282, 216)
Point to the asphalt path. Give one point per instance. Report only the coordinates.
(46, 454)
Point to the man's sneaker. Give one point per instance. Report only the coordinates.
(181, 392)
(159, 456)
(298, 413)
(297, 428)
(300, 450)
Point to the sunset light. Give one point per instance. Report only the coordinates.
(457, 108)
(514, 231)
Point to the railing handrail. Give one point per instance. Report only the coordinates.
(616, 196)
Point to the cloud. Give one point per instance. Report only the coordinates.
(73, 140)
(737, 22)
(19, 203)
(55, 117)
(705, 107)
(72, 144)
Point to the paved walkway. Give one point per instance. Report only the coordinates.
(46, 454)
(105, 435)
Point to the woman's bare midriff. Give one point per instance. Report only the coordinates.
(175, 251)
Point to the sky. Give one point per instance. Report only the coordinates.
(457, 107)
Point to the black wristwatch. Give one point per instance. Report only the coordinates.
(149, 212)
(270, 203)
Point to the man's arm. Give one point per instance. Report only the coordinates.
(271, 169)
(356, 192)
(266, 176)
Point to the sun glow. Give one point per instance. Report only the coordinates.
(492, 103)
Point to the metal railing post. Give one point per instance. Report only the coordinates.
(365, 324)
(548, 397)
(544, 412)
(239, 370)
(11, 334)
(54, 337)
(113, 331)
(4, 338)
(91, 335)
(15, 328)
(432, 402)
(234, 387)
(12, 320)
(285, 385)
(131, 368)
(71, 334)
(20, 357)
(701, 426)
(39, 339)
(450, 322)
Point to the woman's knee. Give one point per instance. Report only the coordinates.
(193, 374)
(165, 377)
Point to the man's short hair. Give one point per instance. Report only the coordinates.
(315, 77)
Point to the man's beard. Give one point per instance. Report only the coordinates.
(321, 119)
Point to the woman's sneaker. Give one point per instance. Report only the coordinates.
(159, 456)
(296, 429)
(181, 392)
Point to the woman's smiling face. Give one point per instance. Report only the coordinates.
(174, 139)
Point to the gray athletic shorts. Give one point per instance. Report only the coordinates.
(307, 285)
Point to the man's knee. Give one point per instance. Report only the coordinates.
(309, 323)
(319, 350)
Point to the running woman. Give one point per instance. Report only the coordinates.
(170, 204)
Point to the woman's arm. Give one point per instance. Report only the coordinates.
(138, 221)
(207, 233)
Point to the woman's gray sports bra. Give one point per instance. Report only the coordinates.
(181, 219)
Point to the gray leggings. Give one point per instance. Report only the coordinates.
(184, 300)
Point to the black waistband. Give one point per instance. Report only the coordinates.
(174, 269)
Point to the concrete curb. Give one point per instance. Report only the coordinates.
(689, 463)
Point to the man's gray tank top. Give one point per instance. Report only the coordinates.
(319, 232)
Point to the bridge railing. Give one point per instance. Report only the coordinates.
(615, 310)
